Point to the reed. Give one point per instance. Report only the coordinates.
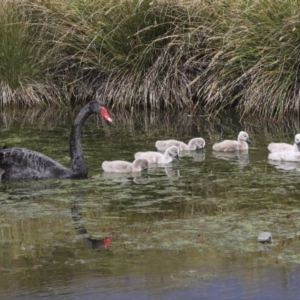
(160, 54)
(24, 58)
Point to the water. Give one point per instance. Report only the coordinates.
(185, 230)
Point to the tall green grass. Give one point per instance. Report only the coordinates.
(25, 55)
(161, 54)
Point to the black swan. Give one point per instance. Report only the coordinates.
(21, 163)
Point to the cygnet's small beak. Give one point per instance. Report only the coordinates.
(200, 147)
(248, 140)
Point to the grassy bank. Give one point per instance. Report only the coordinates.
(156, 54)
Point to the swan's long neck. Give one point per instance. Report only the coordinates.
(191, 145)
(78, 164)
(167, 155)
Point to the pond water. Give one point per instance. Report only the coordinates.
(188, 229)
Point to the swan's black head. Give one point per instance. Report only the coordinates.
(98, 107)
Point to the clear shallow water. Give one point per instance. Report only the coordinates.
(185, 230)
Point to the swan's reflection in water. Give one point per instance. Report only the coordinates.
(172, 172)
(286, 165)
(198, 155)
(28, 192)
(137, 177)
(169, 170)
(241, 156)
(91, 243)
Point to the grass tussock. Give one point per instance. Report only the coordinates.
(160, 54)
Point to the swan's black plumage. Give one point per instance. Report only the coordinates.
(22, 163)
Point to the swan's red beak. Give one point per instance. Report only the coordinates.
(105, 115)
(106, 241)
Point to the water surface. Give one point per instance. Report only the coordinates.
(188, 229)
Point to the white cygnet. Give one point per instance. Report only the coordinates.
(122, 166)
(274, 147)
(231, 145)
(194, 144)
(159, 158)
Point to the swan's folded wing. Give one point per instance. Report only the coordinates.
(226, 145)
(138, 155)
(161, 145)
(22, 158)
(274, 147)
(117, 166)
(122, 167)
(150, 156)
